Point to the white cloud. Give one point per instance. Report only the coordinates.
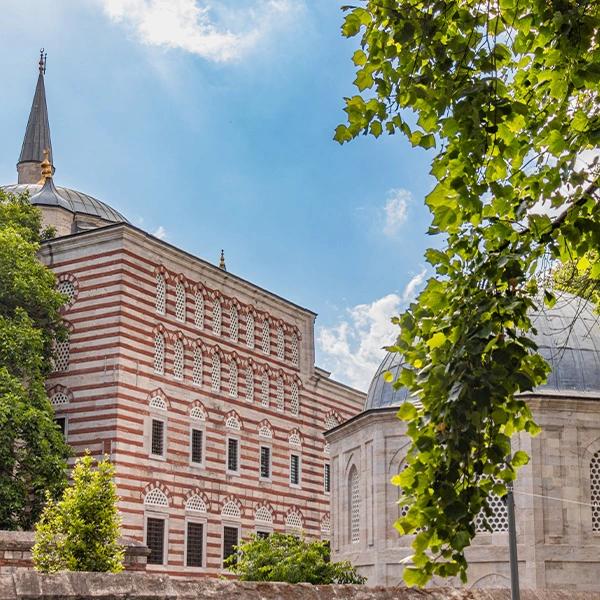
(396, 210)
(199, 28)
(160, 232)
(353, 349)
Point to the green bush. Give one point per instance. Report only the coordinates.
(80, 532)
(282, 557)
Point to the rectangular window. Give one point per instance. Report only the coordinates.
(263, 535)
(265, 462)
(158, 437)
(195, 544)
(327, 478)
(155, 540)
(197, 442)
(232, 455)
(61, 422)
(295, 469)
(230, 540)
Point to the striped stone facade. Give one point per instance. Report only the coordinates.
(236, 364)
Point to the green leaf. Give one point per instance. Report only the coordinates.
(437, 339)
(520, 458)
(407, 411)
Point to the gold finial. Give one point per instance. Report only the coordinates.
(46, 167)
(222, 261)
(42, 63)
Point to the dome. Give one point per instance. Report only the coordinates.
(76, 202)
(568, 337)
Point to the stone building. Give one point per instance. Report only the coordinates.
(557, 495)
(199, 385)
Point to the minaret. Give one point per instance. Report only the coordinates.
(37, 134)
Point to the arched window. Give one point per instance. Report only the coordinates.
(159, 354)
(294, 439)
(199, 310)
(156, 497)
(233, 379)
(67, 287)
(266, 337)
(233, 423)
(326, 526)
(250, 330)
(294, 349)
(157, 403)
(197, 369)
(180, 302)
(263, 515)
(231, 510)
(197, 414)
(295, 399)
(249, 384)
(497, 521)
(178, 359)
(331, 421)
(595, 490)
(234, 323)
(59, 399)
(354, 504)
(280, 343)
(264, 390)
(161, 293)
(280, 396)
(195, 504)
(217, 317)
(293, 521)
(265, 432)
(215, 375)
(62, 355)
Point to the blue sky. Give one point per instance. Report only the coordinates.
(214, 129)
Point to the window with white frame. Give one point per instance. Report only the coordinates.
(595, 490)
(157, 437)
(196, 504)
(280, 395)
(295, 354)
(354, 504)
(280, 343)
(197, 446)
(233, 455)
(294, 399)
(197, 367)
(263, 516)
(293, 522)
(264, 389)
(295, 469)
(178, 359)
(194, 544)
(61, 423)
(217, 317)
(250, 330)
(180, 302)
(234, 323)
(155, 540)
(230, 541)
(265, 432)
(159, 353)
(161, 294)
(265, 462)
(233, 379)
(266, 337)
(215, 373)
(249, 384)
(327, 478)
(199, 310)
(231, 510)
(62, 355)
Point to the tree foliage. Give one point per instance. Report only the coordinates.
(80, 532)
(506, 95)
(32, 449)
(578, 279)
(282, 557)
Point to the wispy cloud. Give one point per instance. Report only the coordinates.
(353, 348)
(395, 210)
(160, 232)
(214, 32)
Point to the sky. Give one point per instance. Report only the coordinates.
(210, 125)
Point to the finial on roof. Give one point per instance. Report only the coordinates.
(222, 261)
(46, 167)
(42, 63)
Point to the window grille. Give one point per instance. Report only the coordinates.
(199, 310)
(217, 318)
(197, 367)
(497, 521)
(327, 478)
(595, 490)
(295, 355)
(233, 455)
(62, 355)
(195, 543)
(161, 294)
(156, 402)
(197, 414)
(264, 390)
(330, 422)
(265, 462)
(354, 501)
(67, 288)
(266, 337)
(249, 384)
(280, 395)
(156, 497)
(234, 323)
(280, 343)
(233, 423)
(295, 399)
(294, 440)
(293, 521)
(250, 330)
(263, 535)
(155, 540)
(180, 302)
(59, 399)
(294, 469)
(178, 359)
(215, 376)
(326, 525)
(265, 432)
(196, 504)
(263, 515)
(197, 443)
(231, 510)
(233, 379)
(159, 354)
(158, 437)
(61, 422)
(230, 541)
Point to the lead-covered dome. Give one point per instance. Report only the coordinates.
(568, 337)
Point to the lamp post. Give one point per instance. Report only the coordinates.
(512, 545)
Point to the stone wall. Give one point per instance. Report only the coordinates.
(15, 552)
(29, 585)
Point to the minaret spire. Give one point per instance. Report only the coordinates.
(37, 134)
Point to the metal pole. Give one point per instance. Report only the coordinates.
(512, 545)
